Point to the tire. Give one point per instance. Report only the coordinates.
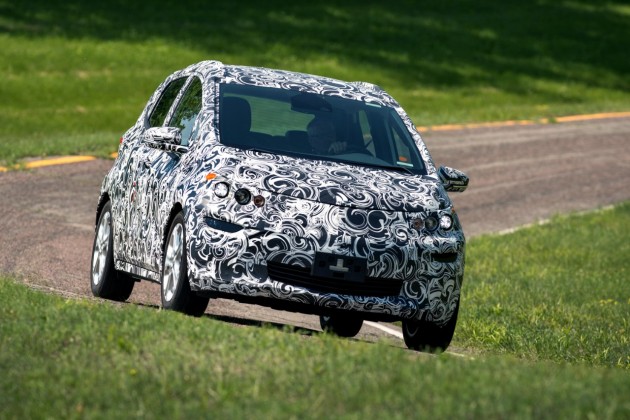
(105, 281)
(426, 336)
(341, 325)
(175, 287)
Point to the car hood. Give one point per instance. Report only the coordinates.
(341, 184)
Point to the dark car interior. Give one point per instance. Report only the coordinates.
(277, 120)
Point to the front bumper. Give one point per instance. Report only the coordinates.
(417, 279)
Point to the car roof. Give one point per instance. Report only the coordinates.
(285, 79)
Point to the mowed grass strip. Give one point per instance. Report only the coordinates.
(549, 343)
(71, 358)
(560, 291)
(75, 74)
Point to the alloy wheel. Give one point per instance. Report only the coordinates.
(101, 248)
(172, 263)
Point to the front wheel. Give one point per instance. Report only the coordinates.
(426, 336)
(106, 282)
(341, 325)
(176, 292)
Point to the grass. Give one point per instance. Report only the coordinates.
(545, 312)
(69, 358)
(555, 292)
(75, 74)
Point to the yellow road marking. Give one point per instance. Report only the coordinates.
(588, 117)
(570, 118)
(64, 160)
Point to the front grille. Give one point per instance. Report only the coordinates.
(301, 276)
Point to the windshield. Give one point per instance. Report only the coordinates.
(321, 127)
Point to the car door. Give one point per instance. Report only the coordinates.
(134, 180)
(157, 176)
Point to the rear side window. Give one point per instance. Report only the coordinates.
(166, 101)
(187, 110)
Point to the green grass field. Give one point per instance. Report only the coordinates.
(555, 292)
(75, 74)
(545, 321)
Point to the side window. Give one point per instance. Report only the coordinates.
(164, 104)
(187, 110)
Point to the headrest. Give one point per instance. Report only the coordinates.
(236, 115)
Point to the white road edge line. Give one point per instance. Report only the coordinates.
(388, 330)
(398, 334)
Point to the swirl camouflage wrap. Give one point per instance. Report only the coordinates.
(369, 230)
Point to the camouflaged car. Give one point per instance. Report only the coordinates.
(284, 189)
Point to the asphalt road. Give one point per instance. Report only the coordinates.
(519, 176)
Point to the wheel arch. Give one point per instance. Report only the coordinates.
(102, 200)
(176, 209)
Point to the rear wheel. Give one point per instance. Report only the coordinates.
(176, 292)
(106, 282)
(341, 325)
(426, 336)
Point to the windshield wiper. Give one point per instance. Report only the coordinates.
(261, 150)
(257, 149)
(391, 168)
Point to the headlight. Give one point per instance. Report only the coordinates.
(446, 222)
(417, 223)
(259, 200)
(242, 196)
(221, 189)
(431, 223)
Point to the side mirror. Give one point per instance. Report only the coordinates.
(165, 138)
(453, 180)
